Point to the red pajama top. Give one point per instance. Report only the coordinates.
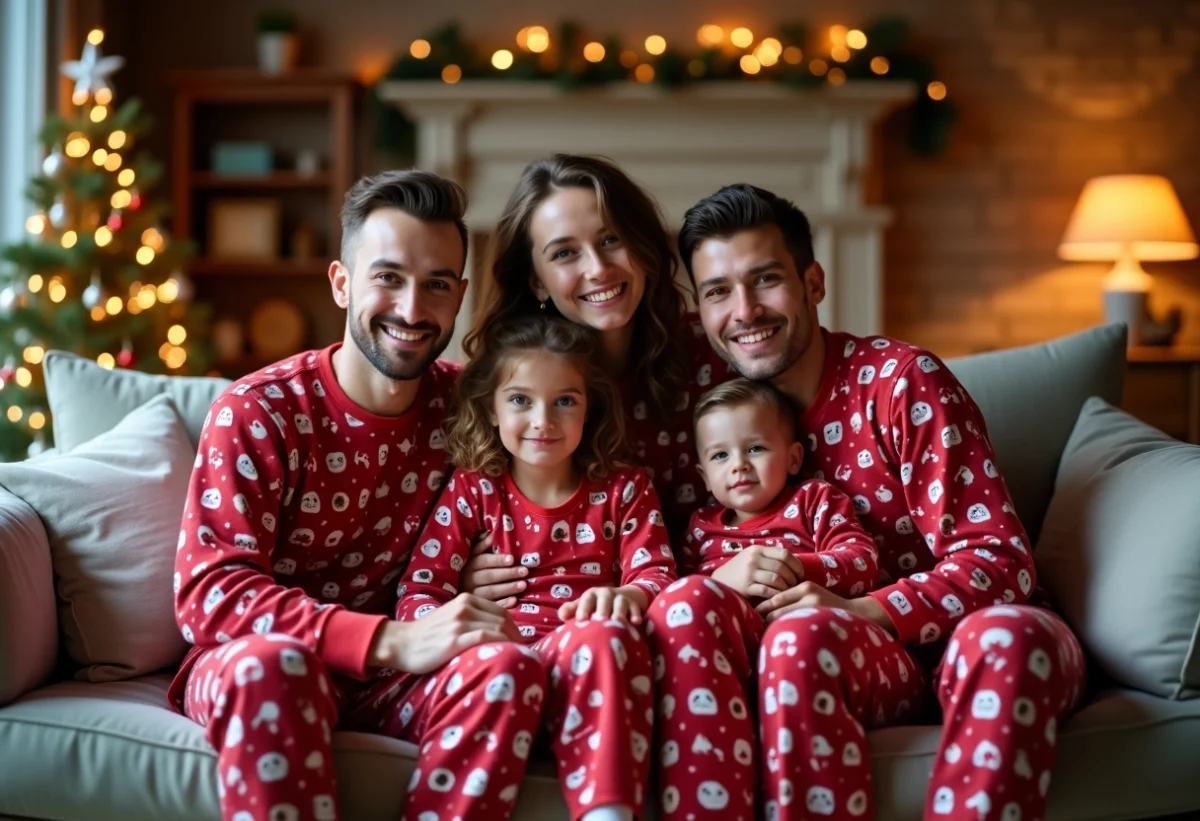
(815, 521)
(610, 533)
(895, 431)
(303, 508)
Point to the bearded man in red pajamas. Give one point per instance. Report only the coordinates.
(313, 479)
(954, 623)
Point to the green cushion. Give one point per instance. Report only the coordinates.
(86, 400)
(1030, 398)
(1120, 550)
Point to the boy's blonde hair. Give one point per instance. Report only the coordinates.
(741, 391)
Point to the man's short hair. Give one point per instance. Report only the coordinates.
(419, 194)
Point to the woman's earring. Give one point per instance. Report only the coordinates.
(543, 304)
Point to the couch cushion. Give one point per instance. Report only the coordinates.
(111, 508)
(86, 400)
(1120, 550)
(1030, 398)
(115, 751)
(28, 622)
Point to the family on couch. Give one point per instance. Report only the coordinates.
(519, 554)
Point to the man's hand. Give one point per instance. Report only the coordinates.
(491, 576)
(808, 594)
(761, 572)
(425, 645)
(625, 603)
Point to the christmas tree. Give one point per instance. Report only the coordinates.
(97, 275)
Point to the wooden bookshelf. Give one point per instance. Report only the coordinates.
(304, 110)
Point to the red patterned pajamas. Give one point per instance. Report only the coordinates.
(825, 676)
(270, 706)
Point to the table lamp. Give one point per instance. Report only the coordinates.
(1129, 218)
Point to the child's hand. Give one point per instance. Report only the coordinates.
(623, 603)
(761, 572)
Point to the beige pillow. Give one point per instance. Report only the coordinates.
(86, 400)
(111, 509)
(1120, 550)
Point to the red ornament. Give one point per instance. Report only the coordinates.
(7, 373)
(126, 358)
(135, 202)
(115, 221)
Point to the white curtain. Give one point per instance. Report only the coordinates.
(22, 106)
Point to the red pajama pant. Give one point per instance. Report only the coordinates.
(270, 707)
(825, 677)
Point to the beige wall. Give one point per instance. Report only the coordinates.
(970, 258)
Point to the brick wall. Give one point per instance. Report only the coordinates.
(1051, 93)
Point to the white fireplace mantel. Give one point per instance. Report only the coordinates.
(813, 146)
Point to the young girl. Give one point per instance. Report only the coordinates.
(535, 438)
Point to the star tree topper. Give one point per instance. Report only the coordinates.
(91, 71)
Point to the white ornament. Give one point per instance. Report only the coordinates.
(90, 72)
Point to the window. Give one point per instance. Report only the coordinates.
(22, 106)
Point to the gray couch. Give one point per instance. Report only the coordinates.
(72, 749)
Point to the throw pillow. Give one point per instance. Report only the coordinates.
(86, 400)
(1030, 398)
(111, 509)
(1120, 550)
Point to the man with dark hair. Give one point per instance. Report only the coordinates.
(890, 426)
(312, 481)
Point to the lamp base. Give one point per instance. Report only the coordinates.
(1128, 307)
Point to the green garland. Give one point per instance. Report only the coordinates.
(563, 62)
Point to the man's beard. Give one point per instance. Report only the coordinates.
(410, 367)
(763, 369)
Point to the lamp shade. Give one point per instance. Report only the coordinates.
(1128, 215)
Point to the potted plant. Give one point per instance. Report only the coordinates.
(277, 42)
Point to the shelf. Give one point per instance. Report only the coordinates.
(274, 180)
(1166, 354)
(249, 268)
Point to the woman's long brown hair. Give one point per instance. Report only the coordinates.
(659, 363)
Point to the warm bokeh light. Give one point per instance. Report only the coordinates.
(104, 235)
(644, 73)
(537, 40)
(837, 35)
(24, 377)
(69, 239)
(451, 74)
(98, 113)
(99, 156)
(145, 255)
(121, 199)
(98, 313)
(176, 357)
(593, 52)
(79, 97)
(77, 147)
(56, 290)
(106, 360)
(33, 354)
(937, 90)
(767, 54)
(35, 283)
(818, 67)
(656, 44)
(710, 35)
(741, 37)
(176, 334)
(168, 292)
(793, 55)
(113, 162)
(502, 59)
(856, 39)
(840, 53)
(147, 297)
(749, 64)
(14, 413)
(35, 224)
(104, 96)
(420, 49)
(95, 36)
(126, 177)
(880, 65)
(132, 306)
(37, 420)
(116, 140)
(629, 59)
(113, 306)
(837, 77)
(153, 238)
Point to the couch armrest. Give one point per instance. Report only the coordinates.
(28, 614)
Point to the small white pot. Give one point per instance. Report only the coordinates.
(277, 52)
